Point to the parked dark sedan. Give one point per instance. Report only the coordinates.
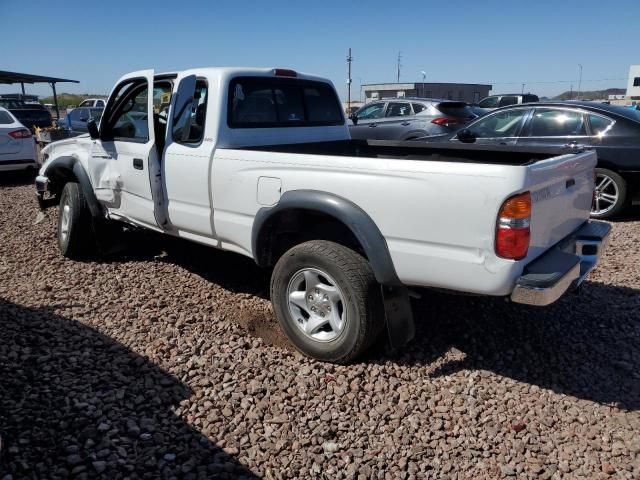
(76, 120)
(613, 131)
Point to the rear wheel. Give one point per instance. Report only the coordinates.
(327, 300)
(75, 230)
(610, 195)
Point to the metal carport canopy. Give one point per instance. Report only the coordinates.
(9, 78)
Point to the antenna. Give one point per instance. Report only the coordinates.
(399, 64)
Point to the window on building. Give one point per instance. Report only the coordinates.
(636, 82)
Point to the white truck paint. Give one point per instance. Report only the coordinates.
(438, 218)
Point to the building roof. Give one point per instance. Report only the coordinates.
(15, 77)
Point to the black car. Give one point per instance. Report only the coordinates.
(613, 131)
(29, 114)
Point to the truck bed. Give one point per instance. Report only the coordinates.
(412, 150)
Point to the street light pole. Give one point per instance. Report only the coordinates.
(579, 80)
(349, 60)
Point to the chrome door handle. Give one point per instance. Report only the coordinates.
(371, 125)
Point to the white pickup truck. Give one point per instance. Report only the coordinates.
(260, 162)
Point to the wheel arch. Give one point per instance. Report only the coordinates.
(64, 169)
(347, 213)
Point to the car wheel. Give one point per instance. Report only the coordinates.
(327, 301)
(610, 196)
(75, 230)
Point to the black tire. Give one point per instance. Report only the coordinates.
(618, 185)
(361, 293)
(76, 238)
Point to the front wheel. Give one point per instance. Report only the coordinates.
(611, 194)
(327, 300)
(75, 230)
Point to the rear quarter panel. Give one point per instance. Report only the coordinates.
(438, 218)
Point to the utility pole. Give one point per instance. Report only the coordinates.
(579, 80)
(349, 60)
(399, 65)
(571, 92)
(523, 88)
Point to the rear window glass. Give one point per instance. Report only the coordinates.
(456, 109)
(5, 118)
(260, 102)
(418, 107)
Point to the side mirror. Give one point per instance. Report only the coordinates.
(466, 136)
(93, 129)
(354, 118)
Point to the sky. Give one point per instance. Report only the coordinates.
(503, 43)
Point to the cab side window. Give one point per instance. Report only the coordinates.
(193, 117)
(130, 122)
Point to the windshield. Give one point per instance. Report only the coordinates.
(489, 102)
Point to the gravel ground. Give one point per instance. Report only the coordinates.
(165, 361)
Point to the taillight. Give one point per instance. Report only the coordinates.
(22, 133)
(513, 230)
(444, 121)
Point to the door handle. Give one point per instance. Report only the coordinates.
(573, 144)
(138, 164)
(406, 124)
(371, 125)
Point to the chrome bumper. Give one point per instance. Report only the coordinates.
(563, 267)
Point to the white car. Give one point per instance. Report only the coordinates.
(17, 147)
(260, 162)
(93, 102)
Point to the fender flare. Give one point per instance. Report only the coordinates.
(343, 210)
(73, 165)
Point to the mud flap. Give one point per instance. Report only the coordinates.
(399, 316)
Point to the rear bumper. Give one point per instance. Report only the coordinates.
(563, 267)
(18, 164)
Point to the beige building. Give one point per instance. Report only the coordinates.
(463, 92)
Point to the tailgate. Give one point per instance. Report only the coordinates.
(561, 194)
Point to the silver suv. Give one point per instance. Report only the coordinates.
(408, 118)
